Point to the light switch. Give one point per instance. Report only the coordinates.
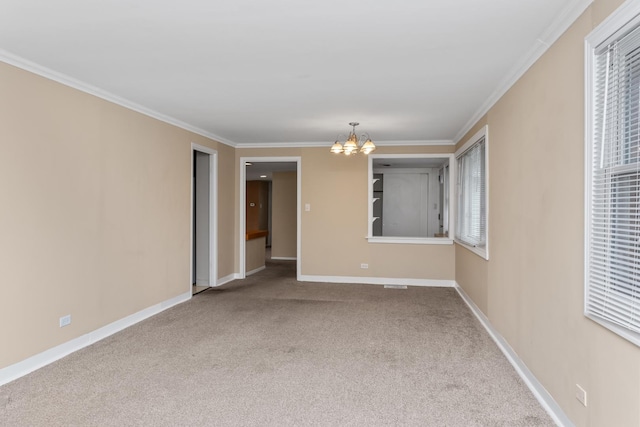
(307, 207)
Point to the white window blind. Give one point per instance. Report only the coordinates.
(613, 251)
(445, 201)
(471, 218)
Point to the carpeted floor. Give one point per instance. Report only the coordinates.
(271, 351)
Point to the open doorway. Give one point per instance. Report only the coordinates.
(203, 218)
(270, 212)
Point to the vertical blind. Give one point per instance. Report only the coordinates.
(471, 218)
(613, 251)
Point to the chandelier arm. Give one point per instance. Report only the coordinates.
(353, 144)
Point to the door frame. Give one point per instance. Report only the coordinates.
(213, 214)
(243, 202)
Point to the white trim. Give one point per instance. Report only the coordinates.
(562, 22)
(411, 240)
(482, 132)
(478, 251)
(284, 258)
(310, 144)
(424, 143)
(229, 278)
(213, 214)
(255, 270)
(24, 367)
(243, 222)
(541, 394)
(299, 219)
(327, 144)
(624, 17)
(377, 281)
(61, 78)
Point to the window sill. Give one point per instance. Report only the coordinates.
(617, 329)
(411, 240)
(481, 252)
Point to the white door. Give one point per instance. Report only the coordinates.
(405, 212)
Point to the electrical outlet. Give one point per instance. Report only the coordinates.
(364, 265)
(65, 320)
(581, 395)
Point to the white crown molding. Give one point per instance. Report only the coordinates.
(562, 22)
(327, 144)
(284, 144)
(50, 74)
(415, 143)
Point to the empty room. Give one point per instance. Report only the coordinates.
(320, 213)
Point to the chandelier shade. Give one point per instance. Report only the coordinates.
(353, 144)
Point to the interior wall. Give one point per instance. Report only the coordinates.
(284, 215)
(336, 225)
(228, 215)
(531, 289)
(96, 212)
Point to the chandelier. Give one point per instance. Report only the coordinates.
(353, 144)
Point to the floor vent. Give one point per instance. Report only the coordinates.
(395, 286)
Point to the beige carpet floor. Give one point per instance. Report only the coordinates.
(269, 351)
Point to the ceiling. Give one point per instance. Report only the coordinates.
(290, 72)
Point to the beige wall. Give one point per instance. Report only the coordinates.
(97, 224)
(333, 236)
(255, 253)
(227, 211)
(472, 275)
(96, 212)
(284, 215)
(531, 289)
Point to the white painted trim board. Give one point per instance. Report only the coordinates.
(541, 394)
(24, 367)
(377, 280)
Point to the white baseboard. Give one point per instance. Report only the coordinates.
(39, 360)
(254, 271)
(284, 258)
(377, 280)
(226, 279)
(538, 390)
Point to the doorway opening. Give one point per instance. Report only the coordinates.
(204, 207)
(270, 212)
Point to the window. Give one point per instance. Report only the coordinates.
(471, 218)
(409, 198)
(612, 279)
